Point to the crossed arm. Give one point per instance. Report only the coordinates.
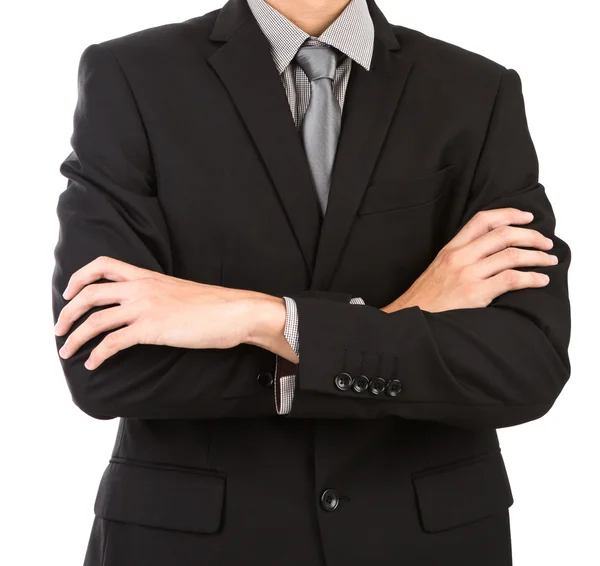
(481, 336)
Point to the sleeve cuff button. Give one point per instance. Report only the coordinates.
(377, 386)
(361, 383)
(343, 381)
(265, 379)
(394, 387)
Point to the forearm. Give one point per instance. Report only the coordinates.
(474, 368)
(155, 381)
(149, 380)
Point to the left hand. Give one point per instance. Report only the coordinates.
(153, 308)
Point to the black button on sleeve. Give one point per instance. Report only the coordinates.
(394, 387)
(330, 499)
(377, 386)
(265, 379)
(361, 383)
(343, 381)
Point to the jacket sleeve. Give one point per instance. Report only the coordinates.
(110, 208)
(285, 371)
(475, 368)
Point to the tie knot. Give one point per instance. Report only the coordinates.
(317, 61)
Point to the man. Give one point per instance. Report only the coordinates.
(304, 256)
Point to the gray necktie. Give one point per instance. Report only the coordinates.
(320, 127)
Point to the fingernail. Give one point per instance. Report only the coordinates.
(554, 259)
(550, 242)
(545, 278)
(529, 215)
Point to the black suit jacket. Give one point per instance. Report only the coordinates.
(186, 161)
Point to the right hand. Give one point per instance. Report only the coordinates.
(477, 265)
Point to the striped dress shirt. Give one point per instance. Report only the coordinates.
(352, 36)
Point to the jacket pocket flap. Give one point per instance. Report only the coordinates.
(462, 493)
(168, 498)
(389, 194)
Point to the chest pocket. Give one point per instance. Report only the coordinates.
(463, 492)
(392, 194)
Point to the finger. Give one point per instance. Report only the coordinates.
(505, 237)
(513, 280)
(487, 220)
(93, 295)
(111, 344)
(510, 258)
(96, 323)
(103, 267)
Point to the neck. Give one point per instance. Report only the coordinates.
(311, 16)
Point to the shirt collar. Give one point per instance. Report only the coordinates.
(352, 32)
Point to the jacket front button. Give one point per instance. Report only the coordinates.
(265, 379)
(330, 499)
(343, 381)
(394, 387)
(377, 386)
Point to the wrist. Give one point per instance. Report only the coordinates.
(265, 321)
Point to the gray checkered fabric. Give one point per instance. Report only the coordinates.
(352, 34)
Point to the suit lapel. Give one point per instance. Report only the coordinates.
(245, 66)
(371, 99)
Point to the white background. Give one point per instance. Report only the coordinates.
(53, 455)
